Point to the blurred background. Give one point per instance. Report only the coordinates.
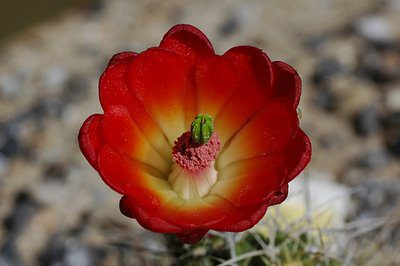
(343, 210)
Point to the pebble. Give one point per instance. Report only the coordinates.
(54, 77)
(326, 98)
(375, 29)
(372, 66)
(76, 88)
(372, 194)
(392, 99)
(367, 121)
(392, 132)
(48, 107)
(325, 70)
(4, 165)
(392, 140)
(373, 159)
(394, 4)
(9, 85)
(78, 255)
(24, 208)
(10, 146)
(56, 172)
(229, 26)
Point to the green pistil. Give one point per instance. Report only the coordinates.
(202, 128)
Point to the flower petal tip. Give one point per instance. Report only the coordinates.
(91, 138)
(187, 40)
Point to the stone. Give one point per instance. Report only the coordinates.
(392, 132)
(367, 121)
(9, 86)
(325, 70)
(229, 26)
(371, 196)
(392, 99)
(25, 207)
(56, 172)
(371, 66)
(54, 77)
(373, 159)
(374, 28)
(326, 98)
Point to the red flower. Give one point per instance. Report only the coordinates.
(149, 101)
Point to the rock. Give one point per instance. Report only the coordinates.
(4, 165)
(394, 4)
(325, 98)
(373, 159)
(48, 107)
(56, 172)
(39, 229)
(9, 144)
(229, 26)
(379, 66)
(375, 29)
(54, 77)
(367, 121)
(323, 95)
(9, 86)
(371, 66)
(329, 141)
(78, 255)
(372, 194)
(325, 70)
(24, 208)
(8, 253)
(393, 142)
(392, 132)
(392, 99)
(76, 88)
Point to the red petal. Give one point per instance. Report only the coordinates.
(280, 195)
(187, 41)
(244, 218)
(194, 213)
(91, 138)
(192, 236)
(114, 91)
(294, 158)
(251, 181)
(126, 137)
(123, 57)
(113, 88)
(249, 222)
(125, 176)
(129, 208)
(268, 131)
(126, 208)
(254, 89)
(160, 80)
(253, 66)
(286, 83)
(216, 80)
(297, 154)
(174, 215)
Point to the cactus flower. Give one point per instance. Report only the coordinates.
(195, 141)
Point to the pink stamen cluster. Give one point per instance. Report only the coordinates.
(195, 157)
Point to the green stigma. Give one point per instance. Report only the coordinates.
(202, 128)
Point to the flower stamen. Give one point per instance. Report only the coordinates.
(194, 154)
